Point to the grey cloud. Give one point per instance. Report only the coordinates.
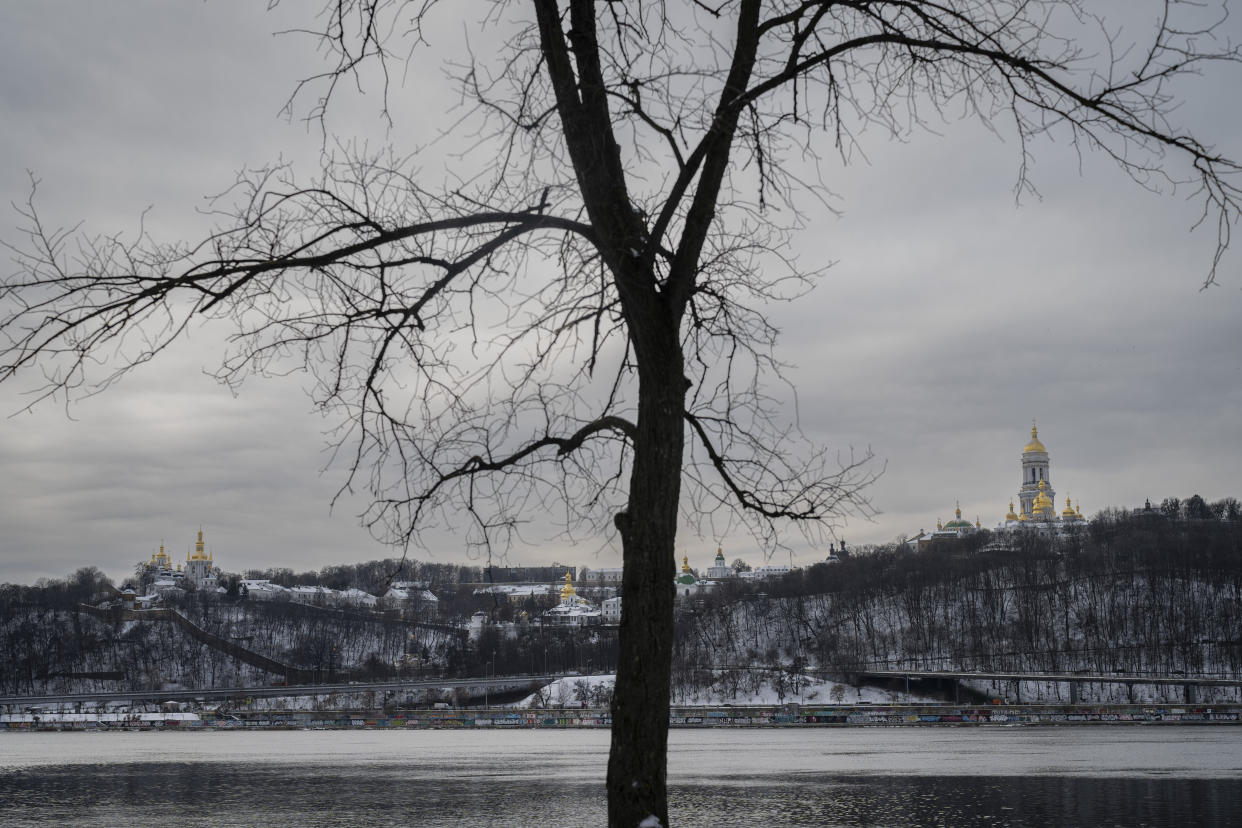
(951, 319)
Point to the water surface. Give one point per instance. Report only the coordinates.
(1131, 776)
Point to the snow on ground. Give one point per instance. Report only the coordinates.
(565, 692)
(517, 590)
(572, 691)
(811, 691)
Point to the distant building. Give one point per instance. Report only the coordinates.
(687, 583)
(165, 587)
(951, 531)
(1036, 507)
(719, 569)
(355, 597)
(1036, 497)
(262, 590)
(530, 574)
(326, 596)
(771, 571)
(414, 594)
(610, 611)
(199, 571)
(1149, 512)
(573, 610)
(199, 567)
(160, 568)
(604, 576)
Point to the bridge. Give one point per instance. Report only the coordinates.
(1074, 680)
(532, 682)
(489, 684)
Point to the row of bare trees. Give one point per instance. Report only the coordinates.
(53, 644)
(1126, 593)
(375, 576)
(1132, 593)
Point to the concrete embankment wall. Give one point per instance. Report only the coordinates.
(886, 716)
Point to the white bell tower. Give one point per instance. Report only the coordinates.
(1034, 470)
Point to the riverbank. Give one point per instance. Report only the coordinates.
(790, 715)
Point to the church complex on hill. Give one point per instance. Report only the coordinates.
(199, 570)
(1036, 503)
(1035, 510)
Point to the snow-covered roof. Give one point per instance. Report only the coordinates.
(573, 607)
(516, 589)
(765, 571)
(412, 594)
(356, 596)
(262, 588)
(259, 588)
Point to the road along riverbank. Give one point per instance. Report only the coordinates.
(789, 715)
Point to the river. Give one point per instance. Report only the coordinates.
(1003, 776)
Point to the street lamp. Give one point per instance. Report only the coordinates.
(487, 687)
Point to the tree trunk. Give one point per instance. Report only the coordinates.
(637, 763)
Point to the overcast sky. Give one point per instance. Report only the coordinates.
(952, 318)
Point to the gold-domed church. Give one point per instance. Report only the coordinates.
(959, 527)
(573, 610)
(1036, 497)
(199, 567)
(1036, 507)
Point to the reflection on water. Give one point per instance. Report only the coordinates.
(972, 801)
(1035, 777)
(211, 794)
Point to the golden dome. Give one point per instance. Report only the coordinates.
(1042, 501)
(1034, 445)
(200, 553)
(1011, 515)
(568, 591)
(687, 576)
(1069, 510)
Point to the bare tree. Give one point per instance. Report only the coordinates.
(576, 328)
